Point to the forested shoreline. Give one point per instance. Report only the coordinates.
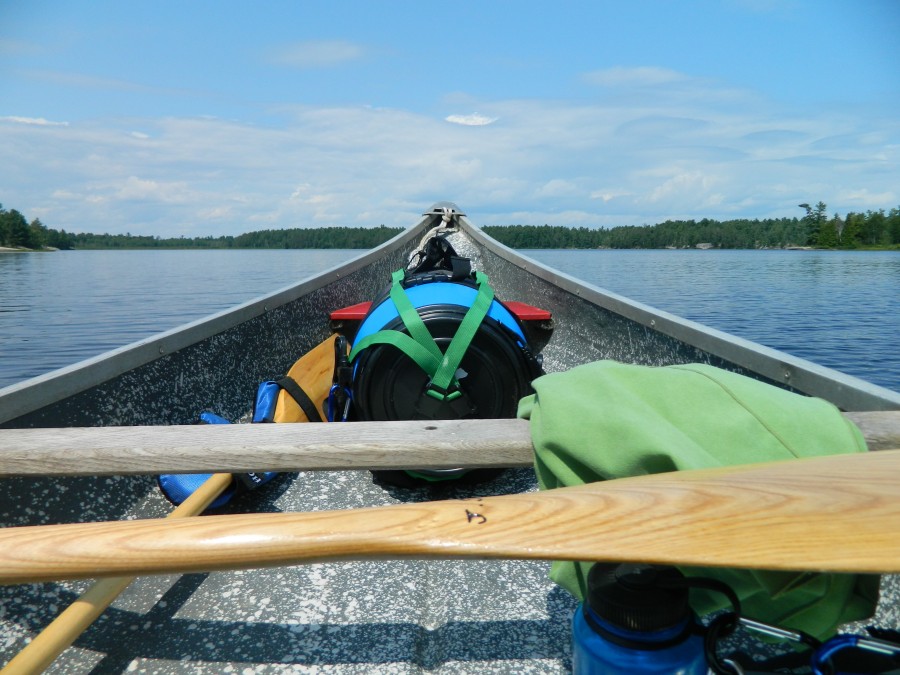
(869, 230)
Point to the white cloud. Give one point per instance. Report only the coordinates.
(864, 198)
(34, 121)
(86, 81)
(317, 53)
(308, 195)
(608, 194)
(215, 213)
(138, 188)
(682, 190)
(553, 162)
(64, 195)
(473, 120)
(134, 188)
(558, 187)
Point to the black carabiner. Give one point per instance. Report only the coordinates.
(340, 395)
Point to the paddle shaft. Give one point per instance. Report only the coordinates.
(838, 513)
(239, 448)
(77, 617)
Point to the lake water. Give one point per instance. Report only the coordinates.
(839, 309)
(62, 307)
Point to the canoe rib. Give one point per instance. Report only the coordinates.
(438, 444)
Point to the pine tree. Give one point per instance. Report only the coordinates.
(13, 229)
(37, 234)
(828, 235)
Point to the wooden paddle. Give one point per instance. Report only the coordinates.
(297, 447)
(838, 513)
(77, 617)
(312, 372)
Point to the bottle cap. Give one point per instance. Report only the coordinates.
(638, 597)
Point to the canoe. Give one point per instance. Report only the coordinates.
(400, 616)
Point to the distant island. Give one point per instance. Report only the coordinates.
(870, 230)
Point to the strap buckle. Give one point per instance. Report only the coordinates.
(437, 403)
(442, 393)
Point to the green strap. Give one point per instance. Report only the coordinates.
(410, 317)
(420, 346)
(463, 336)
(423, 358)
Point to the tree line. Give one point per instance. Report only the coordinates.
(16, 232)
(322, 237)
(872, 229)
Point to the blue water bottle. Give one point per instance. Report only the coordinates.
(636, 619)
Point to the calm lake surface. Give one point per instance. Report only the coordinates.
(838, 308)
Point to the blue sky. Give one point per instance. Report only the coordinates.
(208, 118)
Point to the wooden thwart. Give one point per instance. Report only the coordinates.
(839, 513)
(264, 447)
(438, 444)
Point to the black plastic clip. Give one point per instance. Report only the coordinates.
(437, 403)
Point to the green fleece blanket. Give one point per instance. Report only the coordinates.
(608, 420)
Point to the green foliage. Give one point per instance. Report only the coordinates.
(37, 234)
(15, 232)
(893, 226)
(771, 233)
(870, 230)
(14, 229)
(813, 222)
(828, 236)
(112, 241)
(324, 237)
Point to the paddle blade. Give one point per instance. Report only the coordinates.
(839, 513)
